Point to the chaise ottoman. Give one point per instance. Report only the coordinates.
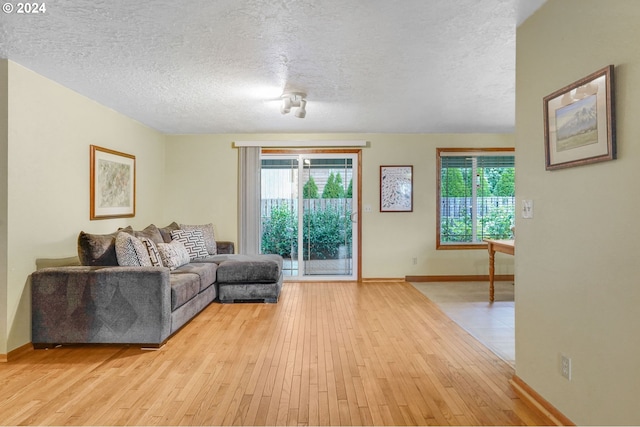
(245, 278)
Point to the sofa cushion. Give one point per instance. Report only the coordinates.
(184, 286)
(193, 240)
(173, 254)
(207, 233)
(98, 249)
(165, 232)
(206, 272)
(152, 251)
(218, 259)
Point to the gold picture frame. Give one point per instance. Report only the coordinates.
(579, 122)
(112, 184)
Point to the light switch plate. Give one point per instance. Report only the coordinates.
(527, 209)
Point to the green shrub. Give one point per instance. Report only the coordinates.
(325, 231)
(497, 223)
(279, 232)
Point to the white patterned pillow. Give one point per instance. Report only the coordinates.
(131, 252)
(152, 251)
(173, 254)
(208, 234)
(193, 240)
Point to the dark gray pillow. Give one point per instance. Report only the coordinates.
(98, 249)
(152, 232)
(166, 231)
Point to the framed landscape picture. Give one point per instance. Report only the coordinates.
(396, 188)
(112, 184)
(579, 122)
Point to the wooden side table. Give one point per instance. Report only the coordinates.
(504, 246)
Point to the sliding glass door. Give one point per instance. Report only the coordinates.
(309, 213)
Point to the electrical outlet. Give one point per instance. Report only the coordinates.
(415, 261)
(565, 366)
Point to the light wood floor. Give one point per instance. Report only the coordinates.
(378, 353)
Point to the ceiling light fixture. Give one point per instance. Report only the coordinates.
(294, 99)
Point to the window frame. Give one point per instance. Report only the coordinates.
(439, 155)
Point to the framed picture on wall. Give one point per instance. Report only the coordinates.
(112, 184)
(396, 188)
(579, 122)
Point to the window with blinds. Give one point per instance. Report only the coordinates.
(476, 196)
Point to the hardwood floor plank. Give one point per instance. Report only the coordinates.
(314, 408)
(323, 409)
(342, 353)
(261, 416)
(373, 395)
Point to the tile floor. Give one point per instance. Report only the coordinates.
(467, 304)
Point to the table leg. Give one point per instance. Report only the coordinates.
(492, 255)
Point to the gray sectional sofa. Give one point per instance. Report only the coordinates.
(118, 296)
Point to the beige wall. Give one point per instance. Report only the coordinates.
(202, 182)
(390, 240)
(577, 266)
(50, 129)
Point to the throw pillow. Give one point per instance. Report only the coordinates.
(130, 251)
(165, 232)
(152, 251)
(207, 232)
(98, 249)
(151, 232)
(173, 254)
(193, 240)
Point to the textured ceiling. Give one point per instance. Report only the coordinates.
(216, 66)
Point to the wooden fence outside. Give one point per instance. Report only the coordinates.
(457, 207)
(340, 205)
